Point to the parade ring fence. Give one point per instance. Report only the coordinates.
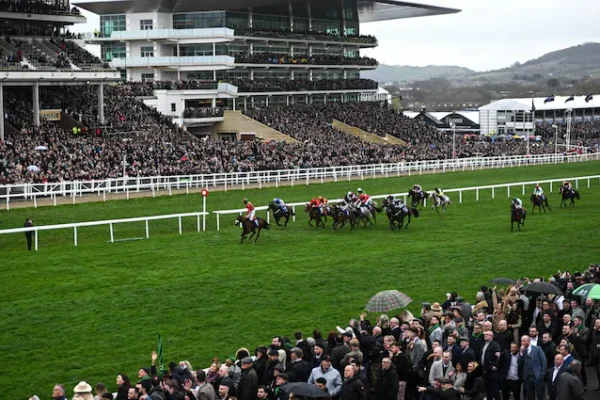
(31, 192)
(512, 189)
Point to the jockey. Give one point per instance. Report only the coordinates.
(350, 198)
(322, 205)
(418, 189)
(250, 215)
(568, 187)
(538, 191)
(517, 203)
(365, 199)
(279, 202)
(439, 192)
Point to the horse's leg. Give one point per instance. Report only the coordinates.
(251, 236)
(257, 235)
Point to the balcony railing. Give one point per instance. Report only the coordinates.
(157, 34)
(170, 61)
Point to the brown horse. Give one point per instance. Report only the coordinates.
(249, 226)
(517, 215)
(315, 215)
(342, 217)
(568, 195)
(540, 203)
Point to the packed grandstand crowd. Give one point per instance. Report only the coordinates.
(304, 35)
(275, 58)
(153, 145)
(454, 349)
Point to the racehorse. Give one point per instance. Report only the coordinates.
(279, 213)
(417, 197)
(249, 226)
(374, 211)
(568, 195)
(439, 201)
(362, 214)
(394, 214)
(341, 216)
(315, 215)
(517, 215)
(539, 202)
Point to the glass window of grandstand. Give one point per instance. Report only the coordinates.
(259, 101)
(147, 51)
(301, 75)
(237, 20)
(277, 101)
(276, 23)
(350, 53)
(199, 20)
(196, 50)
(334, 98)
(351, 98)
(108, 52)
(173, 107)
(148, 77)
(112, 23)
(202, 75)
(146, 25)
(298, 100)
(317, 99)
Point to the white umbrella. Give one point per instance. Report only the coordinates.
(33, 168)
(41, 148)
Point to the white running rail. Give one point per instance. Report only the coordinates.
(225, 181)
(510, 188)
(110, 224)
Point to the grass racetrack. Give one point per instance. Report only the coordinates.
(93, 311)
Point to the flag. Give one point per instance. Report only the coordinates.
(549, 99)
(571, 98)
(161, 366)
(588, 98)
(532, 106)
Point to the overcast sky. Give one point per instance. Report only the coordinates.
(486, 34)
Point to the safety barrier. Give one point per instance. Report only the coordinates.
(241, 180)
(460, 191)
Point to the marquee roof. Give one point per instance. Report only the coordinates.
(558, 104)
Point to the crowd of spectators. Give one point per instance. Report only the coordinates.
(366, 39)
(280, 85)
(77, 54)
(275, 58)
(153, 145)
(37, 7)
(507, 341)
(202, 112)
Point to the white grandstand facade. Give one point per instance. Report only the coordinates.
(249, 54)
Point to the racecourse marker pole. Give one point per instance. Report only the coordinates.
(179, 225)
(477, 194)
(35, 233)
(112, 233)
(294, 211)
(493, 193)
(147, 230)
(460, 196)
(75, 235)
(204, 193)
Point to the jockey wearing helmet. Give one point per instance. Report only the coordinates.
(418, 190)
(568, 187)
(279, 202)
(439, 192)
(538, 191)
(350, 198)
(250, 212)
(365, 198)
(517, 204)
(322, 205)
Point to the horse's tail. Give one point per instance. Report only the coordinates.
(577, 195)
(415, 212)
(378, 209)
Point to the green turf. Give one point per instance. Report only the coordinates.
(93, 311)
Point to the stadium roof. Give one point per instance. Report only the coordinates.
(558, 104)
(369, 10)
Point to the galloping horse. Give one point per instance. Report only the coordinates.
(417, 197)
(374, 211)
(395, 214)
(341, 216)
(249, 226)
(517, 215)
(568, 195)
(279, 213)
(539, 202)
(439, 201)
(315, 215)
(362, 214)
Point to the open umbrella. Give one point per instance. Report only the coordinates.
(502, 281)
(41, 148)
(304, 389)
(588, 291)
(542, 287)
(33, 168)
(387, 300)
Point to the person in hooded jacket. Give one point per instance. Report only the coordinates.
(474, 388)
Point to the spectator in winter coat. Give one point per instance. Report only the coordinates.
(352, 388)
(330, 374)
(388, 383)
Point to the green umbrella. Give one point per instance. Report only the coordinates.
(588, 291)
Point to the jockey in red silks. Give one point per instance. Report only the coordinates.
(250, 212)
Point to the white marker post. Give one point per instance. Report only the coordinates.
(204, 193)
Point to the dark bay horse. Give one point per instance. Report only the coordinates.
(417, 197)
(518, 216)
(315, 215)
(341, 217)
(248, 226)
(396, 215)
(568, 195)
(539, 202)
(279, 213)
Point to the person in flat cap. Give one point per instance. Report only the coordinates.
(248, 385)
(298, 370)
(278, 392)
(467, 354)
(272, 363)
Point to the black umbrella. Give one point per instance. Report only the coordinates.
(543, 287)
(503, 281)
(304, 389)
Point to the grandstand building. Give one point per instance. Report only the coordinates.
(250, 54)
(37, 50)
